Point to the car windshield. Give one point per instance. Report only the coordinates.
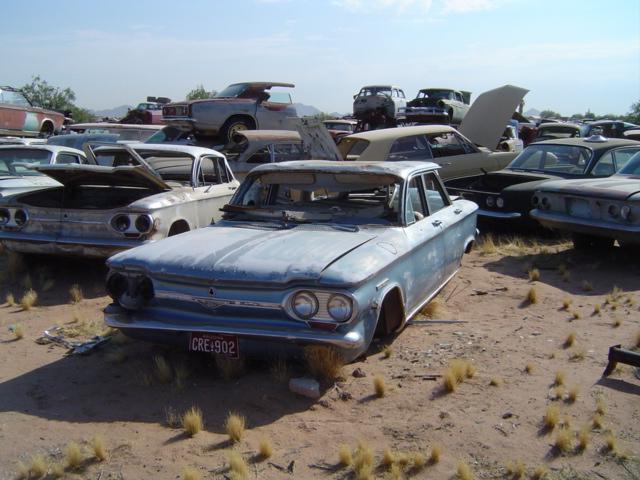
(351, 147)
(344, 127)
(232, 90)
(632, 167)
(13, 98)
(554, 159)
(313, 197)
(368, 91)
(557, 131)
(16, 162)
(444, 94)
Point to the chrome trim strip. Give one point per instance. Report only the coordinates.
(213, 302)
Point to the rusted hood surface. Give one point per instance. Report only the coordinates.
(617, 187)
(220, 254)
(124, 176)
(490, 113)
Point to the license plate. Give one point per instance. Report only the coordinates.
(215, 343)
(579, 207)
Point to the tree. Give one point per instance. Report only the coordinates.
(199, 93)
(549, 114)
(634, 115)
(44, 95)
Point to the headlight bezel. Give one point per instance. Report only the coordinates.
(321, 315)
(340, 297)
(313, 301)
(5, 216)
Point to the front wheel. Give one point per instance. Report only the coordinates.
(233, 126)
(590, 242)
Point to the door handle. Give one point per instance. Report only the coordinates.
(436, 223)
(457, 211)
(443, 164)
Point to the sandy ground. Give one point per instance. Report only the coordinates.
(48, 399)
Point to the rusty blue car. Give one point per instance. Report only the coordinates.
(307, 253)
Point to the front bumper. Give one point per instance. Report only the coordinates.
(52, 245)
(254, 336)
(587, 226)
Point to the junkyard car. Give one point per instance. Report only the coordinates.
(19, 117)
(136, 194)
(314, 252)
(596, 211)
(379, 105)
(438, 105)
(606, 128)
(339, 128)
(16, 162)
(506, 195)
(241, 106)
(147, 113)
(134, 133)
(549, 131)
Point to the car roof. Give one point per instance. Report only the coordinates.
(592, 144)
(560, 124)
(265, 85)
(126, 126)
(382, 86)
(398, 169)
(49, 148)
(399, 132)
(167, 147)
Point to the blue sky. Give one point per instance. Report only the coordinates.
(572, 55)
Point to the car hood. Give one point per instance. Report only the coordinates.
(8, 183)
(490, 113)
(94, 175)
(221, 254)
(617, 187)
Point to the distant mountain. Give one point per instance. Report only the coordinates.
(532, 112)
(116, 112)
(306, 110)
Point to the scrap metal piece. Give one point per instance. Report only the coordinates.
(619, 354)
(55, 335)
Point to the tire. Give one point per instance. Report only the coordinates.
(234, 125)
(590, 242)
(47, 130)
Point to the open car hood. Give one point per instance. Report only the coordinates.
(94, 175)
(489, 115)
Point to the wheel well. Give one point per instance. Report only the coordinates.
(178, 227)
(247, 118)
(469, 246)
(391, 312)
(47, 126)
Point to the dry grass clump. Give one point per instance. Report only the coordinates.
(637, 342)
(37, 466)
(528, 368)
(577, 354)
(558, 393)
(57, 470)
(279, 370)
(363, 461)
(418, 461)
(487, 245)
(190, 473)
(22, 471)
(75, 293)
(601, 407)
(10, 300)
(435, 454)
(611, 443)
(163, 370)
(457, 371)
(324, 362)
(28, 300)
(265, 448)
(181, 374)
(551, 417)
(344, 455)
(617, 322)
(387, 351)
(27, 284)
(563, 441)
(586, 286)
(379, 386)
(235, 426)
(388, 458)
(464, 471)
(559, 379)
(229, 368)
(18, 331)
(583, 438)
(99, 448)
(566, 303)
(73, 456)
(495, 382)
(539, 473)
(597, 422)
(433, 309)
(516, 469)
(534, 275)
(572, 396)
(570, 341)
(192, 421)
(576, 315)
(47, 284)
(171, 418)
(597, 308)
(237, 465)
(532, 296)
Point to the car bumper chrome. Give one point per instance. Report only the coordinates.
(501, 215)
(351, 343)
(587, 226)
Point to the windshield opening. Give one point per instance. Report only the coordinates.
(443, 94)
(16, 162)
(554, 159)
(632, 166)
(303, 197)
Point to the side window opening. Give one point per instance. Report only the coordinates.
(437, 199)
(414, 147)
(66, 158)
(208, 172)
(415, 204)
(605, 166)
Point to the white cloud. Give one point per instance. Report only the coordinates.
(399, 6)
(464, 6)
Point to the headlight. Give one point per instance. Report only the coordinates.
(144, 223)
(20, 217)
(500, 202)
(613, 210)
(340, 308)
(490, 201)
(624, 212)
(5, 216)
(535, 200)
(121, 223)
(131, 293)
(304, 304)
(117, 285)
(545, 203)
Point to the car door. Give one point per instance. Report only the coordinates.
(425, 262)
(613, 160)
(214, 185)
(272, 113)
(456, 156)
